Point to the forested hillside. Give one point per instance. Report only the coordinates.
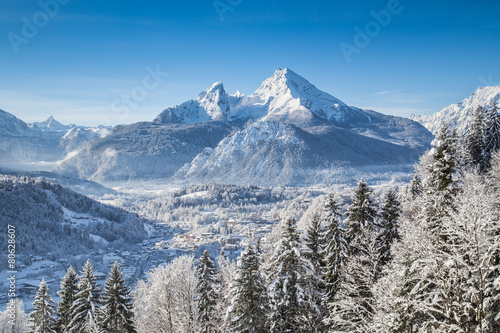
(40, 211)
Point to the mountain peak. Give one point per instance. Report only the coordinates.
(283, 80)
(50, 124)
(211, 104)
(458, 115)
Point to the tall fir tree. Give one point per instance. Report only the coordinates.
(362, 211)
(314, 243)
(206, 291)
(474, 140)
(316, 291)
(335, 251)
(444, 163)
(42, 318)
(353, 307)
(248, 296)
(491, 134)
(388, 223)
(416, 188)
(116, 315)
(67, 294)
(85, 309)
(288, 275)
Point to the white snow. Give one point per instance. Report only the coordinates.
(458, 115)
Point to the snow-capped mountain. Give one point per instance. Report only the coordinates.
(11, 125)
(285, 97)
(46, 141)
(51, 125)
(458, 115)
(286, 132)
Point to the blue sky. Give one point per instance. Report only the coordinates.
(79, 63)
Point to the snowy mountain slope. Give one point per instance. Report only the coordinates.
(271, 135)
(44, 141)
(144, 150)
(36, 207)
(11, 125)
(458, 115)
(282, 154)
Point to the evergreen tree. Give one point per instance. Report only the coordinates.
(444, 161)
(117, 315)
(69, 289)
(491, 134)
(391, 212)
(416, 186)
(353, 307)
(247, 311)
(205, 288)
(313, 242)
(289, 272)
(42, 318)
(88, 300)
(362, 211)
(316, 291)
(474, 140)
(335, 250)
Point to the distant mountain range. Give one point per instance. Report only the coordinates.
(46, 141)
(458, 115)
(286, 133)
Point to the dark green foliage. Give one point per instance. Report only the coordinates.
(391, 211)
(116, 313)
(444, 160)
(85, 309)
(205, 288)
(335, 251)
(491, 134)
(247, 312)
(69, 289)
(474, 141)
(362, 211)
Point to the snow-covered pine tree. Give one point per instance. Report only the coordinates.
(288, 274)
(473, 231)
(474, 140)
(67, 294)
(353, 307)
(444, 162)
(335, 248)
(416, 186)
(226, 273)
(42, 318)
(206, 291)
(248, 296)
(313, 242)
(362, 211)
(88, 300)
(116, 315)
(491, 133)
(388, 223)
